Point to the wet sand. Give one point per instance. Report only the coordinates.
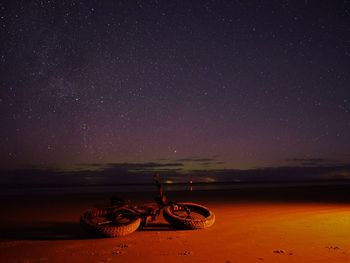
(310, 224)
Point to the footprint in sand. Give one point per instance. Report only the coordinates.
(123, 246)
(119, 249)
(117, 252)
(186, 253)
(282, 251)
(332, 247)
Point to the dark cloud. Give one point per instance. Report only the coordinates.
(184, 160)
(142, 166)
(195, 160)
(93, 165)
(131, 166)
(142, 173)
(86, 174)
(204, 160)
(286, 173)
(314, 162)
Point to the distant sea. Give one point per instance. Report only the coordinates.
(86, 189)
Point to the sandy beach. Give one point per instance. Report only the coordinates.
(268, 225)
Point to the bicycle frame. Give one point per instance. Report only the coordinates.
(121, 218)
(151, 213)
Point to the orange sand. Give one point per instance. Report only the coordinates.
(46, 229)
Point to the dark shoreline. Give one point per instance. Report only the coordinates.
(192, 183)
(338, 193)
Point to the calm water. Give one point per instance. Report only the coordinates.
(152, 187)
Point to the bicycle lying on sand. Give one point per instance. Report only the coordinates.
(121, 218)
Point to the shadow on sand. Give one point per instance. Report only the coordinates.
(158, 227)
(44, 231)
(61, 231)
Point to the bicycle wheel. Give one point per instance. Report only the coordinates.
(109, 222)
(188, 216)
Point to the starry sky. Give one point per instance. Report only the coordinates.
(198, 84)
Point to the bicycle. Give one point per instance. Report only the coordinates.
(122, 218)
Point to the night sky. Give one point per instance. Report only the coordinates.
(207, 84)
